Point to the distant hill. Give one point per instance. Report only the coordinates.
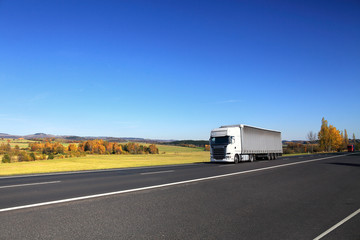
(4, 135)
(39, 135)
(79, 138)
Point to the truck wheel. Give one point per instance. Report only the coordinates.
(236, 159)
(251, 157)
(269, 156)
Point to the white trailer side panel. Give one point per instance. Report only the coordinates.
(257, 140)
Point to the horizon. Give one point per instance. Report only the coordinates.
(177, 70)
(153, 139)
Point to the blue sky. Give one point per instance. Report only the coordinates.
(177, 69)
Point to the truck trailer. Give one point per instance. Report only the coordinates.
(235, 143)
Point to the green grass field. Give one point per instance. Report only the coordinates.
(172, 155)
(22, 143)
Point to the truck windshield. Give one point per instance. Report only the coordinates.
(219, 140)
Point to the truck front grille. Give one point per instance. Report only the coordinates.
(219, 153)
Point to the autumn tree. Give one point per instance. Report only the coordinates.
(6, 158)
(207, 148)
(24, 157)
(105, 147)
(346, 138)
(354, 139)
(58, 148)
(329, 137)
(117, 149)
(324, 136)
(32, 156)
(98, 149)
(47, 148)
(37, 146)
(5, 147)
(109, 147)
(153, 149)
(336, 141)
(72, 147)
(132, 148)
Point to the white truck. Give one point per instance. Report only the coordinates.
(235, 143)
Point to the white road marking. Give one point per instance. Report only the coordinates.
(161, 185)
(28, 184)
(337, 225)
(147, 173)
(96, 171)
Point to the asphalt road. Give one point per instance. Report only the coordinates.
(289, 198)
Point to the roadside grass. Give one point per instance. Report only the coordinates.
(296, 154)
(172, 155)
(308, 153)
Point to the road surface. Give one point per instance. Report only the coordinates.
(289, 198)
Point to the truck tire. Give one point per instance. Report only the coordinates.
(251, 157)
(236, 159)
(269, 156)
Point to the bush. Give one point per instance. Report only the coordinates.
(288, 151)
(207, 148)
(357, 147)
(153, 149)
(6, 158)
(24, 157)
(32, 156)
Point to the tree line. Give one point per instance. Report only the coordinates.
(104, 147)
(328, 139)
(332, 139)
(48, 150)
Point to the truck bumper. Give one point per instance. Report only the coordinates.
(222, 160)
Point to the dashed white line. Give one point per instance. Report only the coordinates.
(148, 173)
(28, 184)
(337, 225)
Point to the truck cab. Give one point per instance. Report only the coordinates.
(225, 144)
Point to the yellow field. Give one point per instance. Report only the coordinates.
(173, 155)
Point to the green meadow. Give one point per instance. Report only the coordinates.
(22, 143)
